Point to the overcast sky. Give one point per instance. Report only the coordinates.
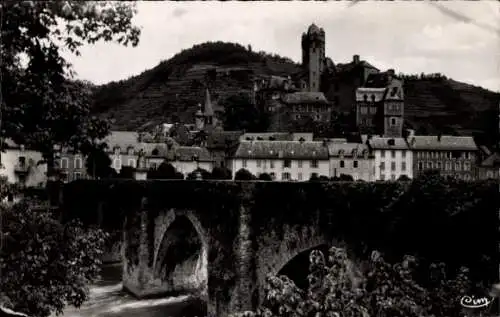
(409, 36)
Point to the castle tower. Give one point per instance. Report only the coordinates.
(393, 106)
(209, 110)
(199, 119)
(313, 56)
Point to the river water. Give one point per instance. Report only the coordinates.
(107, 299)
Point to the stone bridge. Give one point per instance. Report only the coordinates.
(218, 239)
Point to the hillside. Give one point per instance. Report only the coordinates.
(175, 87)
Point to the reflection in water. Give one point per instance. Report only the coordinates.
(106, 298)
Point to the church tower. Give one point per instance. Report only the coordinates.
(209, 110)
(313, 56)
(199, 119)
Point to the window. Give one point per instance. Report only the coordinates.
(448, 166)
(382, 166)
(299, 176)
(457, 166)
(285, 176)
(373, 110)
(393, 166)
(154, 152)
(259, 163)
(342, 164)
(77, 175)
(393, 177)
(393, 121)
(489, 174)
(382, 177)
(131, 162)
(420, 165)
(382, 153)
(393, 154)
(299, 163)
(244, 163)
(22, 160)
(314, 163)
(271, 163)
(438, 165)
(429, 165)
(466, 166)
(78, 163)
(448, 155)
(372, 97)
(403, 154)
(64, 163)
(365, 98)
(153, 166)
(363, 109)
(287, 163)
(403, 166)
(355, 164)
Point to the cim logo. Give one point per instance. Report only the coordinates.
(473, 302)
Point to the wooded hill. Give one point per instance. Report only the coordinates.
(172, 90)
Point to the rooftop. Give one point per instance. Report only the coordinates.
(282, 150)
(305, 97)
(444, 142)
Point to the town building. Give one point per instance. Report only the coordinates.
(489, 168)
(277, 136)
(21, 165)
(282, 160)
(393, 157)
(353, 159)
(450, 155)
(380, 105)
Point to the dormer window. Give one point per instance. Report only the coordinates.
(116, 150)
(365, 97)
(354, 153)
(394, 90)
(130, 150)
(155, 152)
(372, 98)
(341, 153)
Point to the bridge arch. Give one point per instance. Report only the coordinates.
(181, 252)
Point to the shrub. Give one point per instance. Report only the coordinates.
(265, 177)
(221, 173)
(244, 175)
(337, 289)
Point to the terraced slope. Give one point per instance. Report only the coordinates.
(176, 86)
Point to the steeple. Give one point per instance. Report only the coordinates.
(199, 118)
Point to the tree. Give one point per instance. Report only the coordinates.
(243, 175)
(346, 178)
(241, 114)
(42, 106)
(404, 178)
(165, 171)
(265, 177)
(202, 172)
(314, 177)
(221, 173)
(98, 163)
(339, 287)
(127, 172)
(45, 264)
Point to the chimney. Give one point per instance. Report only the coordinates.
(355, 59)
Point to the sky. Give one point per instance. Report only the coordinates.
(409, 36)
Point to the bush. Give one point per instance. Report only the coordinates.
(202, 172)
(165, 171)
(45, 264)
(336, 288)
(244, 175)
(265, 177)
(126, 172)
(221, 173)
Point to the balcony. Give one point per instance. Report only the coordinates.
(21, 169)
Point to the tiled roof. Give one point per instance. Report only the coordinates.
(384, 143)
(378, 94)
(305, 97)
(282, 149)
(447, 142)
(347, 149)
(352, 66)
(182, 153)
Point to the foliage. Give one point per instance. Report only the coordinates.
(165, 171)
(241, 114)
(127, 172)
(42, 106)
(338, 288)
(201, 172)
(243, 175)
(346, 178)
(98, 163)
(222, 173)
(265, 177)
(45, 264)
(404, 178)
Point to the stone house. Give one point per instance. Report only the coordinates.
(354, 159)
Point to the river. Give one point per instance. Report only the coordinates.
(107, 299)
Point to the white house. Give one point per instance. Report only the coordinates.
(354, 159)
(22, 165)
(283, 160)
(393, 157)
